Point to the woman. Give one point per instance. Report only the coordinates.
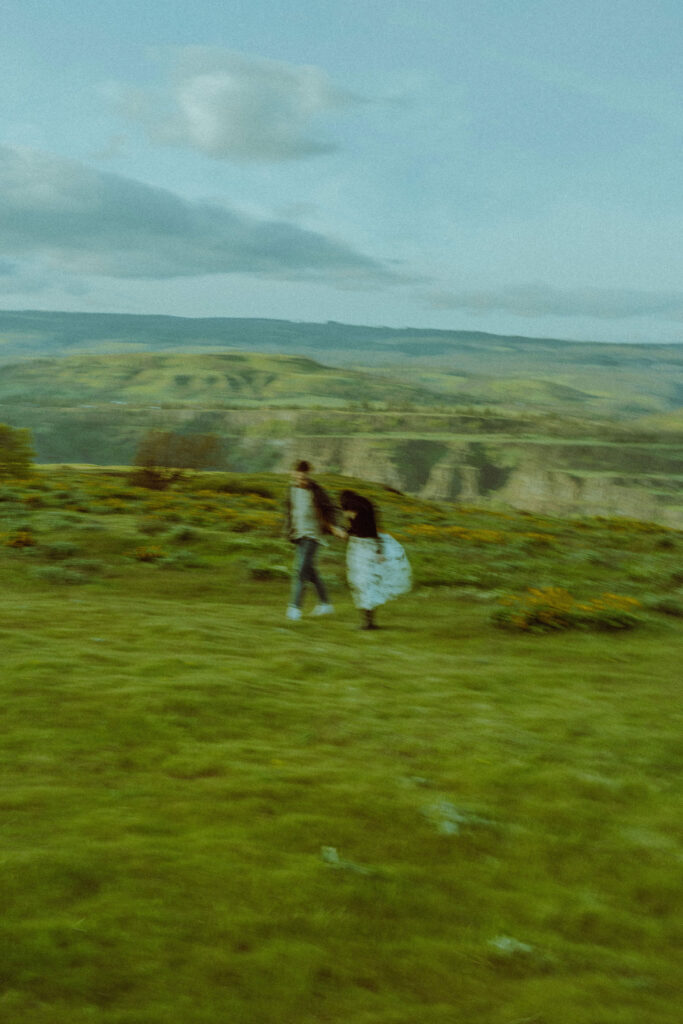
(376, 565)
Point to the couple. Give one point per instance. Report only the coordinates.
(376, 565)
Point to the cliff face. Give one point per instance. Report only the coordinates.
(562, 493)
(563, 480)
(474, 460)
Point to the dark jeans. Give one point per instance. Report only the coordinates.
(305, 571)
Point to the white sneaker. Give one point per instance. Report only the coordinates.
(294, 613)
(323, 609)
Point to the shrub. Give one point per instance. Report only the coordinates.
(34, 501)
(163, 453)
(21, 539)
(58, 574)
(150, 526)
(171, 516)
(538, 542)
(88, 527)
(261, 571)
(244, 487)
(553, 608)
(152, 480)
(88, 566)
(184, 560)
(667, 543)
(60, 550)
(241, 525)
(183, 535)
(113, 506)
(666, 605)
(149, 554)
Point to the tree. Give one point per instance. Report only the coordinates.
(162, 456)
(16, 453)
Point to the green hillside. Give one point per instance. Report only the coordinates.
(539, 424)
(205, 380)
(625, 380)
(211, 815)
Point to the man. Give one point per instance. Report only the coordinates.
(309, 515)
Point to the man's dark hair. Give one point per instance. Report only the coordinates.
(303, 466)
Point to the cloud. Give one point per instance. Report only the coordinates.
(77, 219)
(233, 107)
(542, 300)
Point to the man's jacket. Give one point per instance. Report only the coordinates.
(324, 508)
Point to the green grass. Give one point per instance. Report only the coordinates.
(212, 815)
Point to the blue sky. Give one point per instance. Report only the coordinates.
(510, 166)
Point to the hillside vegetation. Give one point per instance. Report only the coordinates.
(207, 380)
(549, 426)
(213, 815)
(624, 380)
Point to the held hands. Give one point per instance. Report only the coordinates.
(338, 532)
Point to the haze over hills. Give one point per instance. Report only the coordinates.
(563, 427)
(606, 379)
(30, 333)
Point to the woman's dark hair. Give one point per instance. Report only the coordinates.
(302, 466)
(365, 520)
(350, 501)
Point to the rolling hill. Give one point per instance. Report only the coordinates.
(559, 427)
(609, 379)
(198, 380)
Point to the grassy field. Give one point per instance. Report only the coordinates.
(213, 816)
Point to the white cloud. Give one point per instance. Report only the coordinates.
(231, 106)
(536, 300)
(76, 219)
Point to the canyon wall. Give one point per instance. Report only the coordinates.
(548, 478)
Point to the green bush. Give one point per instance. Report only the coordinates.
(88, 566)
(34, 501)
(241, 525)
(148, 553)
(150, 527)
(21, 538)
(59, 550)
(183, 535)
(58, 574)
(262, 571)
(666, 605)
(243, 487)
(184, 560)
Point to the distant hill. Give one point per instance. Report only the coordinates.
(602, 379)
(201, 380)
(525, 422)
(27, 334)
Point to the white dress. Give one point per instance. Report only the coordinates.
(376, 573)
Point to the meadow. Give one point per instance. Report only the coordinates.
(214, 816)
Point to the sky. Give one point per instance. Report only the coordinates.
(510, 166)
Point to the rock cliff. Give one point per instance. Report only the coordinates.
(553, 479)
